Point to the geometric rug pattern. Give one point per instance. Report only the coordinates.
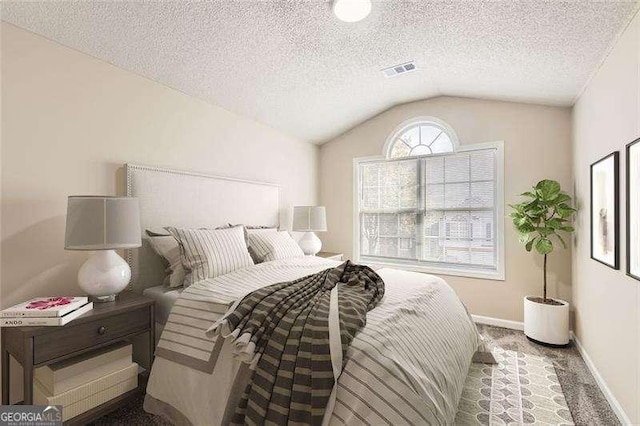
(519, 389)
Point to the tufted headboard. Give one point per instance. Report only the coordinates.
(191, 200)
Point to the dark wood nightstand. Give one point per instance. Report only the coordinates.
(329, 255)
(129, 317)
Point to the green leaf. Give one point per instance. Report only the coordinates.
(525, 227)
(524, 238)
(529, 245)
(561, 198)
(567, 229)
(544, 246)
(555, 223)
(565, 211)
(548, 189)
(544, 231)
(528, 194)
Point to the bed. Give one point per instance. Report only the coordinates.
(406, 366)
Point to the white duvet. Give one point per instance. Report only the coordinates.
(406, 366)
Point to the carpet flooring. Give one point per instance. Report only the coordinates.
(586, 403)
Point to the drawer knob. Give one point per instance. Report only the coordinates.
(102, 330)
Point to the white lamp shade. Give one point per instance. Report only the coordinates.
(309, 218)
(102, 223)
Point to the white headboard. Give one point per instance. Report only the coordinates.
(191, 200)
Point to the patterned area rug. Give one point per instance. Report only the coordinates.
(520, 389)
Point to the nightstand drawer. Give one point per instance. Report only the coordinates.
(74, 338)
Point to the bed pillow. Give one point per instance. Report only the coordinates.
(256, 230)
(167, 248)
(208, 253)
(274, 245)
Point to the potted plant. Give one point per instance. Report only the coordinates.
(540, 220)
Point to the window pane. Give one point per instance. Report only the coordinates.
(456, 195)
(411, 136)
(400, 149)
(369, 234)
(442, 144)
(455, 234)
(483, 165)
(370, 198)
(421, 150)
(420, 140)
(434, 169)
(369, 174)
(389, 185)
(388, 235)
(434, 196)
(482, 194)
(428, 134)
(432, 222)
(457, 168)
(483, 245)
(433, 250)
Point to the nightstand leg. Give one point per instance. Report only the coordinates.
(152, 336)
(27, 371)
(6, 378)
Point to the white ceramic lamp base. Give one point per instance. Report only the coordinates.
(104, 275)
(310, 243)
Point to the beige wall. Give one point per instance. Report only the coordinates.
(70, 121)
(537, 146)
(606, 302)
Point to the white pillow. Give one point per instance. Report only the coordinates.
(274, 245)
(168, 249)
(208, 253)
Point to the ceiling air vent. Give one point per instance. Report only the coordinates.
(399, 69)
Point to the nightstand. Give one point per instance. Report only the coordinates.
(130, 316)
(329, 255)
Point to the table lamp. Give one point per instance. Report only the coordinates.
(103, 224)
(309, 219)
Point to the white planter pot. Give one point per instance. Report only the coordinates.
(546, 323)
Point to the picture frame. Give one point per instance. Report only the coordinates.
(605, 210)
(632, 156)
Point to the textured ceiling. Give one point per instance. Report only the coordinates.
(292, 65)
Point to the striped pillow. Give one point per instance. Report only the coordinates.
(208, 253)
(168, 249)
(274, 245)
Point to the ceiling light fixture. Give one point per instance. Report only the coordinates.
(351, 10)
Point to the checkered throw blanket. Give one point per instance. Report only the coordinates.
(283, 331)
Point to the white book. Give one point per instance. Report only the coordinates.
(43, 321)
(45, 307)
(83, 398)
(65, 375)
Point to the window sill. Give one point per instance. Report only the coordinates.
(484, 275)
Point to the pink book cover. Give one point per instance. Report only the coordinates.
(45, 307)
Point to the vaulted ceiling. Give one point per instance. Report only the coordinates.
(294, 66)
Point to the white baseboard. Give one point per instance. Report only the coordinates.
(497, 322)
(615, 405)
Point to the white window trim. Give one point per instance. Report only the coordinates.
(427, 120)
(498, 274)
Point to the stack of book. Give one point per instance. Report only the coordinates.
(45, 311)
(82, 383)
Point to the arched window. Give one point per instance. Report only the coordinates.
(421, 136)
(431, 205)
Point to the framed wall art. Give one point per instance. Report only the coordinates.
(633, 208)
(605, 211)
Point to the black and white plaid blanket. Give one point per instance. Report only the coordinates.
(283, 331)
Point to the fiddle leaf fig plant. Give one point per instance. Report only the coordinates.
(543, 219)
